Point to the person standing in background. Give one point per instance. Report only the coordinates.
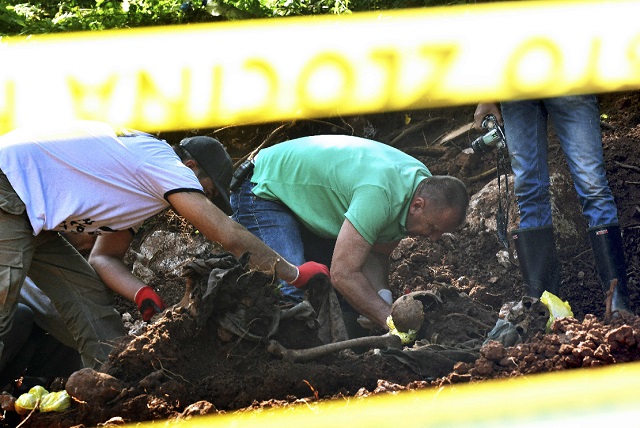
(576, 121)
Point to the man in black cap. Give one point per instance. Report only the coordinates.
(89, 178)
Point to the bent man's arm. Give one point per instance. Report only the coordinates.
(106, 258)
(348, 275)
(216, 226)
(376, 267)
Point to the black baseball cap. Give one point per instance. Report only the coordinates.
(216, 162)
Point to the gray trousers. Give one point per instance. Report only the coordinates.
(83, 301)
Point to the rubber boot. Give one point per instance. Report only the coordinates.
(538, 259)
(606, 243)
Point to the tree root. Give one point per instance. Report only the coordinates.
(415, 128)
(295, 355)
(483, 175)
(425, 151)
(631, 167)
(471, 319)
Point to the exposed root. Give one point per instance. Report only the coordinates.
(415, 128)
(482, 175)
(24, 421)
(169, 373)
(631, 167)
(471, 319)
(426, 151)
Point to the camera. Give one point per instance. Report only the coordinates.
(493, 138)
(241, 174)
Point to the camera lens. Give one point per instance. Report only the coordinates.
(486, 142)
(478, 146)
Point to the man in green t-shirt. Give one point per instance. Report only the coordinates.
(347, 202)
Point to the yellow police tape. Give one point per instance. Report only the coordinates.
(201, 76)
(195, 76)
(596, 397)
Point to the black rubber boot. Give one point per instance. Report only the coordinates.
(538, 259)
(606, 243)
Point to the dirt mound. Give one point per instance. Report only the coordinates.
(210, 354)
(570, 344)
(213, 349)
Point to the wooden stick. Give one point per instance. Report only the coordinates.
(612, 287)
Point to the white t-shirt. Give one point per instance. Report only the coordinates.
(83, 177)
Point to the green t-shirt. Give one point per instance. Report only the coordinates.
(325, 178)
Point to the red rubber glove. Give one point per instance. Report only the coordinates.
(308, 270)
(148, 302)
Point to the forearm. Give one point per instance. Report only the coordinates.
(116, 275)
(358, 291)
(233, 237)
(262, 257)
(376, 270)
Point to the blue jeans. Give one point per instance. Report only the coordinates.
(275, 225)
(576, 120)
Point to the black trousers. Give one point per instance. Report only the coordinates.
(31, 351)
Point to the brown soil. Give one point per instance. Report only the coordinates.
(191, 361)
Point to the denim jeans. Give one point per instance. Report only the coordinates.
(576, 121)
(275, 225)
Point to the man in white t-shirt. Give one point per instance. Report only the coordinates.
(87, 177)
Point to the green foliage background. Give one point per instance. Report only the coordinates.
(47, 16)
